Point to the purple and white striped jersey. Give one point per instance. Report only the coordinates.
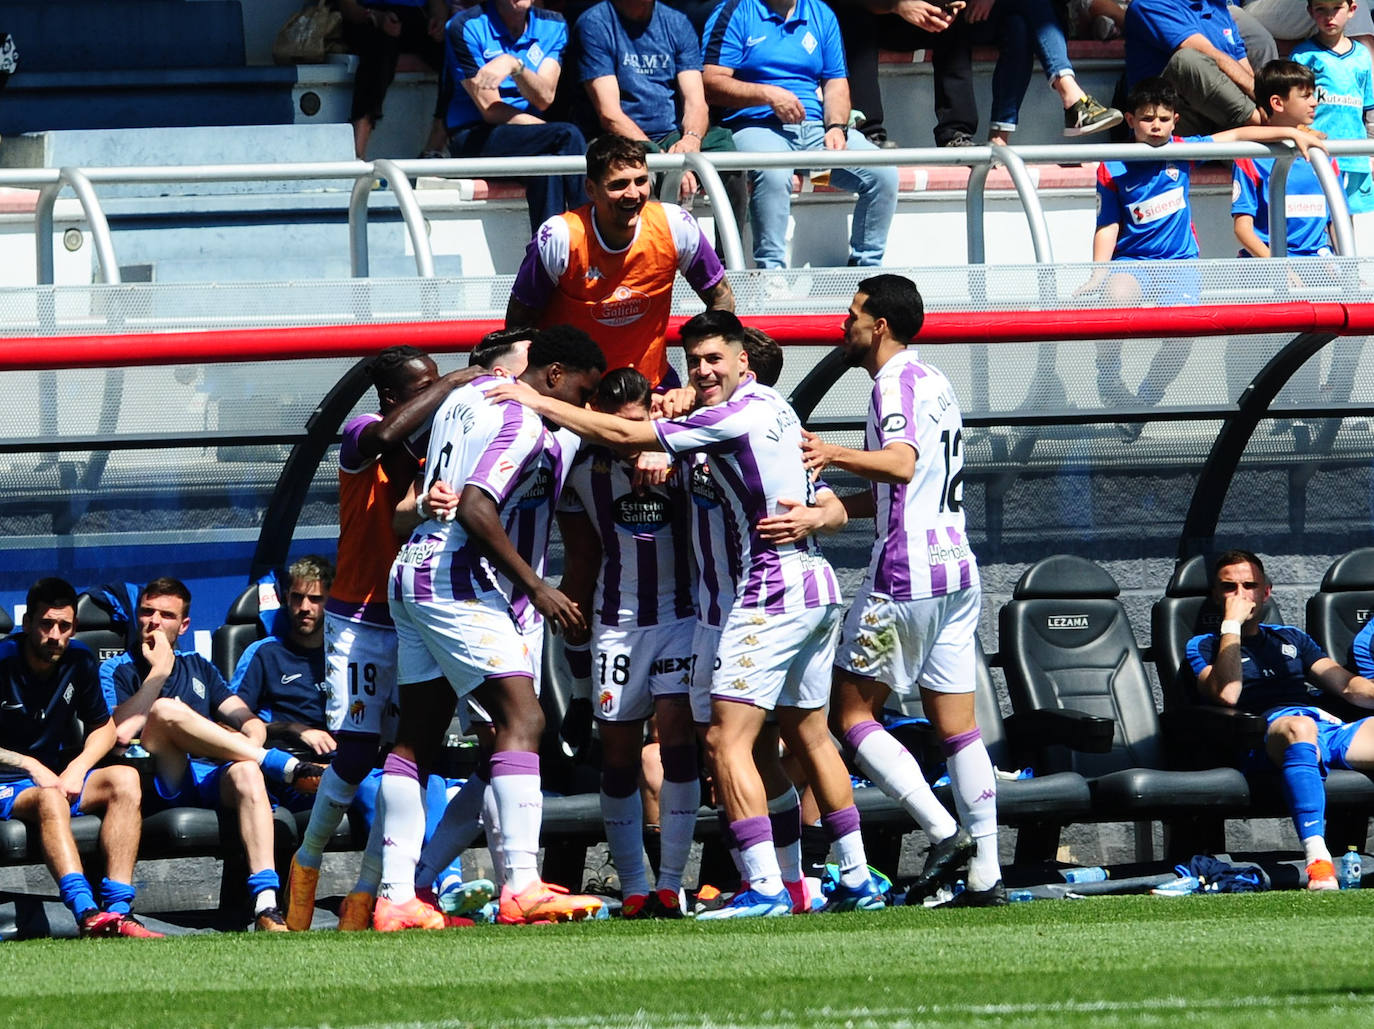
(646, 573)
(751, 445)
(506, 451)
(919, 549)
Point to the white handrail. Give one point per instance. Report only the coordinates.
(360, 176)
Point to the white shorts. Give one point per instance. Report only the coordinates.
(464, 641)
(471, 713)
(906, 643)
(705, 661)
(360, 668)
(630, 667)
(777, 661)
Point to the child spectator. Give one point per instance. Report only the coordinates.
(1287, 92)
(1143, 217)
(1345, 97)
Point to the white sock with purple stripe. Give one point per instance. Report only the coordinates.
(678, 801)
(848, 842)
(520, 809)
(402, 804)
(889, 766)
(622, 811)
(755, 836)
(975, 798)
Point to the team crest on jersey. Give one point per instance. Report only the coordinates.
(1171, 170)
(536, 56)
(809, 43)
(1289, 650)
(641, 514)
(539, 490)
(704, 490)
(623, 306)
(607, 701)
(198, 688)
(356, 710)
(68, 693)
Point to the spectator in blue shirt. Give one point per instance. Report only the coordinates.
(505, 58)
(777, 70)
(1200, 49)
(640, 63)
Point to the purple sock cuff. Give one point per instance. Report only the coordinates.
(679, 763)
(514, 762)
(856, 734)
(841, 823)
(786, 826)
(397, 765)
(619, 782)
(751, 831)
(953, 744)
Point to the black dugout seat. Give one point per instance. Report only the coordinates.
(1074, 674)
(1343, 604)
(241, 629)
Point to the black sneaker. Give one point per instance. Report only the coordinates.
(994, 896)
(943, 861)
(959, 139)
(1088, 116)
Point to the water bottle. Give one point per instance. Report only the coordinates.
(1349, 871)
(1017, 896)
(1095, 874)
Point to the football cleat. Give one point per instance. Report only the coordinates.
(457, 897)
(636, 905)
(801, 896)
(97, 924)
(545, 902)
(305, 777)
(752, 904)
(868, 896)
(995, 896)
(270, 920)
(1321, 875)
(390, 917)
(355, 911)
(301, 883)
(943, 861)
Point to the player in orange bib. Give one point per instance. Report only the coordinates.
(608, 267)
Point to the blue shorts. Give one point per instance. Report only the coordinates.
(9, 793)
(199, 787)
(1170, 285)
(1333, 737)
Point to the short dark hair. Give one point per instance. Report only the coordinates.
(312, 568)
(166, 586)
(712, 323)
(1155, 92)
(610, 150)
(1279, 78)
(765, 356)
(568, 346)
(47, 594)
(385, 369)
(1236, 556)
(621, 386)
(496, 346)
(895, 298)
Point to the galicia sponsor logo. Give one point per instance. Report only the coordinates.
(622, 307)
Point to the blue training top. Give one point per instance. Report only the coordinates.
(282, 682)
(194, 681)
(1154, 29)
(38, 715)
(477, 35)
(1273, 666)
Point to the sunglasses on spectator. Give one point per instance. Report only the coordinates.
(1230, 587)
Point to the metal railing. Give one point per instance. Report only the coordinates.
(394, 176)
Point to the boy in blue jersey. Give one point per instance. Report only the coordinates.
(49, 687)
(283, 680)
(1144, 216)
(173, 701)
(1278, 671)
(1288, 93)
(1345, 93)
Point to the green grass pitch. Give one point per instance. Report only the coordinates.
(1271, 959)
